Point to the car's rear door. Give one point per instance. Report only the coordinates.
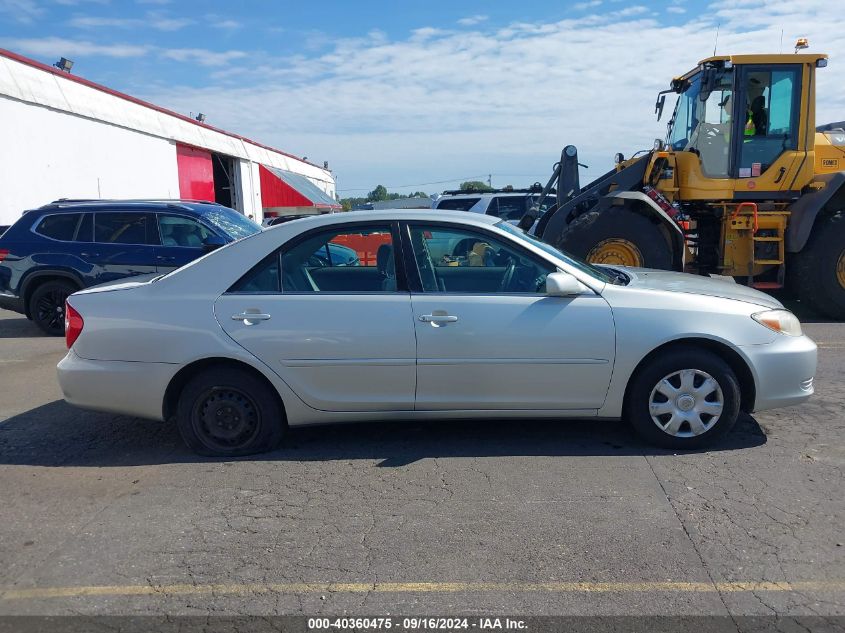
(123, 245)
(488, 337)
(341, 336)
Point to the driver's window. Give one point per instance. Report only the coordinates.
(177, 230)
(769, 119)
(465, 261)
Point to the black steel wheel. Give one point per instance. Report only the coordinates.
(228, 412)
(47, 306)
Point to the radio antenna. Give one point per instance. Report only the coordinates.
(781, 40)
(716, 43)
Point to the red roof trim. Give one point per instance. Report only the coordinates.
(85, 82)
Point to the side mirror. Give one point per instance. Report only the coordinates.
(658, 107)
(563, 285)
(212, 243)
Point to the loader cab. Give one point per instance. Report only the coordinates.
(746, 118)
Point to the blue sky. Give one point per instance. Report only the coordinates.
(418, 92)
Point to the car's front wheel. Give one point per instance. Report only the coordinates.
(227, 411)
(686, 398)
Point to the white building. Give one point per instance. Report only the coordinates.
(65, 137)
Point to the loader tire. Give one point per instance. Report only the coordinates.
(818, 272)
(618, 237)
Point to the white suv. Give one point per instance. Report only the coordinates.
(506, 204)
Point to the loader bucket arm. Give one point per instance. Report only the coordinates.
(592, 197)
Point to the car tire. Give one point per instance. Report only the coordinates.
(228, 412)
(47, 306)
(687, 398)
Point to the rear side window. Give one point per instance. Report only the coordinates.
(60, 227)
(457, 204)
(510, 207)
(266, 277)
(123, 228)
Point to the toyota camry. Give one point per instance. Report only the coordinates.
(438, 315)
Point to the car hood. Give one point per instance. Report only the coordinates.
(725, 288)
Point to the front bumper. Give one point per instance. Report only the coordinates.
(127, 388)
(783, 371)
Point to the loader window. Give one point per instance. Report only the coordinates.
(770, 120)
(705, 127)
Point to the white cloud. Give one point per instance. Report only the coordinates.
(472, 20)
(226, 24)
(155, 21)
(202, 56)
(23, 11)
(73, 3)
(504, 100)
(675, 9)
(581, 6)
(56, 46)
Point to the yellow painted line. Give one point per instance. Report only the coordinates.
(35, 593)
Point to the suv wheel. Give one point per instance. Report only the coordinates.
(47, 306)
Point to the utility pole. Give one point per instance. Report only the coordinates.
(490, 180)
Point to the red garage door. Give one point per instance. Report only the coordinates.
(196, 174)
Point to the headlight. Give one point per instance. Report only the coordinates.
(782, 321)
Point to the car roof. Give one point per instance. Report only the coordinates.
(69, 206)
(389, 215)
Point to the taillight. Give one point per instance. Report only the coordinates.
(73, 325)
(3, 253)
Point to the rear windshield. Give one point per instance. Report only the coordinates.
(457, 204)
(231, 222)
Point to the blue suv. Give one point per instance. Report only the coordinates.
(53, 251)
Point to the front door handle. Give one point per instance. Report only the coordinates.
(250, 318)
(438, 318)
(165, 258)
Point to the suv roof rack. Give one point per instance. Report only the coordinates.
(535, 188)
(62, 201)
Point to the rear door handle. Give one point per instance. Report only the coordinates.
(164, 258)
(438, 318)
(90, 254)
(250, 318)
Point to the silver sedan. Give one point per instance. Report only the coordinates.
(440, 315)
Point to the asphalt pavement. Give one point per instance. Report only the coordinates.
(103, 514)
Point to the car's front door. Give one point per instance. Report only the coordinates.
(488, 337)
(329, 314)
(182, 240)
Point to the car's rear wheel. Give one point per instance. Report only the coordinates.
(47, 306)
(227, 411)
(684, 399)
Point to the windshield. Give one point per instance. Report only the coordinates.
(584, 267)
(231, 222)
(704, 127)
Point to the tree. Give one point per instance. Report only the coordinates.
(475, 185)
(378, 194)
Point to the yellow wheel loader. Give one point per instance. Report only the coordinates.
(744, 185)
